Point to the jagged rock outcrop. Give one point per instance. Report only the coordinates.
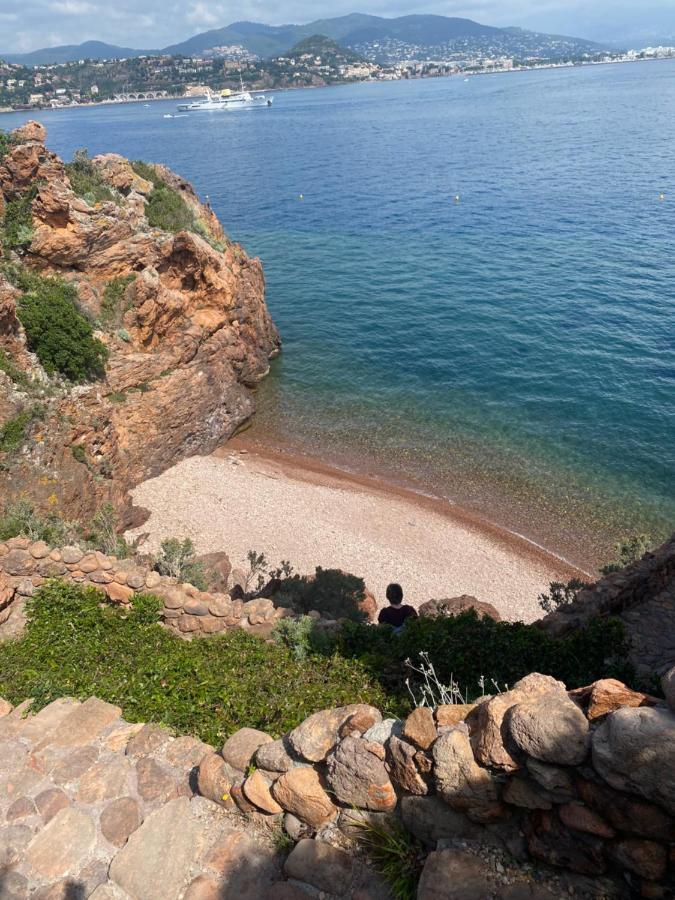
(191, 338)
(643, 597)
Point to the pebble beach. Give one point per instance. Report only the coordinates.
(294, 510)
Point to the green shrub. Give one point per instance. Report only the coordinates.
(21, 520)
(18, 221)
(561, 594)
(331, 592)
(56, 331)
(13, 372)
(394, 852)
(177, 560)
(103, 533)
(210, 688)
(301, 637)
(5, 144)
(14, 432)
(113, 306)
(87, 181)
(466, 649)
(148, 172)
(167, 210)
(628, 551)
(79, 453)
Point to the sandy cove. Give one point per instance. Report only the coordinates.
(305, 512)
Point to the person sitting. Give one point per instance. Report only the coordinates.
(396, 613)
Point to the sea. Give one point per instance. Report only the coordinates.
(474, 282)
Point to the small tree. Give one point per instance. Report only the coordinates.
(176, 559)
(628, 551)
(561, 594)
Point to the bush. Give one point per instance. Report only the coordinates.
(18, 221)
(74, 647)
(87, 181)
(14, 373)
(561, 594)
(331, 592)
(14, 432)
(628, 551)
(5, 144)
(113, 306)
(466, 649)
(103, 534)
(301, 637)
(21, 520)
(177, 560)
(60, 335)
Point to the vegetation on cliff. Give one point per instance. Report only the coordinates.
(61, 337)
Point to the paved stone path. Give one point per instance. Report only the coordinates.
(92, 806)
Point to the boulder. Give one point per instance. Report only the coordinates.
(581, 818)
(300, 792)
(274, 757)
(324, 867)
(63, 844)
(154, 861)
(556, 781)
(551, 728)
(239, 749)
(403, 768)
(382, 731)
(549, 840)
(431, 820)
(216, 778)
(256, 789)
(526, 793)
(454, 606)
(314, 738)
(489, 737)
(462, 783)
(358, 776)
(604, 696)
(455, 875)
(217, 568)
(634, 751)
(627, 814)
(452, 713)
(120, 819)
(419, 728)
(644, 858)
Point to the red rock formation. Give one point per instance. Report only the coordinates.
(193, 334)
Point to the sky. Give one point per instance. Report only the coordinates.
(158, 23)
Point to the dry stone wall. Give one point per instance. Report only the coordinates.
(25, 565)
(582, 781)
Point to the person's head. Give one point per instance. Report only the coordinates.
(395, 594)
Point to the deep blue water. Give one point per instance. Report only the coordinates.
(513, 351)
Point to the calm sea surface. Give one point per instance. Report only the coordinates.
(513, 351)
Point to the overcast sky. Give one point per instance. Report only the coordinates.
(30, 24)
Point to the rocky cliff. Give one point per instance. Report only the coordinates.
(181, 313)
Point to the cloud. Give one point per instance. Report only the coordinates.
(157, 23)
(71, 7)
(203, 14)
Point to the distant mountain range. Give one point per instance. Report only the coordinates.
(373, 36)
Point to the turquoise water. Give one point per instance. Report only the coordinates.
(513, 351)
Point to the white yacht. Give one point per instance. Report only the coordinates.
(227, 100)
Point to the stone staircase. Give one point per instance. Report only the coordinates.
(93, 806)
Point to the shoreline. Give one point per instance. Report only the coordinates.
(302, 465)
(462, 74)
(245, 497)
